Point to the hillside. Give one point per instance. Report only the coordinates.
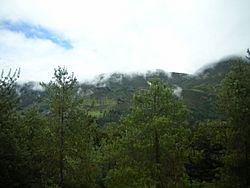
(109, 96)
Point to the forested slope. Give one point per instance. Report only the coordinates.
(154, 130)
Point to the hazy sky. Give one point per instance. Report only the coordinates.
(90, 37)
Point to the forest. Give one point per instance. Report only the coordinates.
(128, 131)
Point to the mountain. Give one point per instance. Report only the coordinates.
(109, 96)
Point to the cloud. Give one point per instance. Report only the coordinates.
(123, 36)
(177, 91)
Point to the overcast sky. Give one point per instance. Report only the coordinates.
(90, 37)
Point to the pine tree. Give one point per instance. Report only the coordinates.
(235, 103)
(61, 100)
(71, 128)
(152, 142)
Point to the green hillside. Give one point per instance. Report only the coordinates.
(110, 96)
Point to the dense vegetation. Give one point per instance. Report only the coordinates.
(128, 131)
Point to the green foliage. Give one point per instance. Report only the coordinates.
(152, 141)
(14, 169)
(8, 98)
(235, 103)
(71, 129)
(36, 137)
(128, 131)
(234, 94)
(206, 151)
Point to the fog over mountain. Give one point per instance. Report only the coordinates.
(94, 37)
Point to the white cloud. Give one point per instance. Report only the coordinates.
(132, 35)
(177, 91)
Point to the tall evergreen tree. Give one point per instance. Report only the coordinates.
(152, 142)
(61, 93)
(235, 102)
(71, 127)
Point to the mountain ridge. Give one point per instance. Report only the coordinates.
(109, 95)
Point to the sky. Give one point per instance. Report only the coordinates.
(91, 37)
